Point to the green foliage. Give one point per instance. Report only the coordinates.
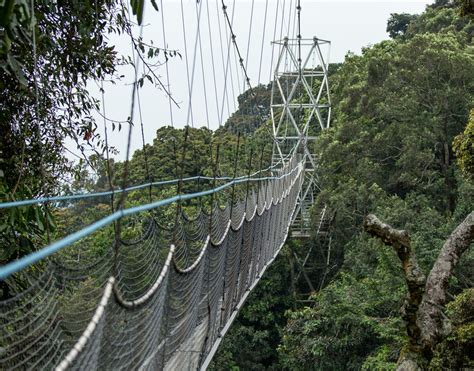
(463, 147)
(49, 52)
(397, 109)
(253, 338)
(22, 228)
(457, 350)
(442, 19)
(16, 24)
(253, 109)
(408, 100)
(397, 24)
(355, 322)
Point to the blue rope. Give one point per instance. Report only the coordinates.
(5, 205)
(33, 201)
(18, 265)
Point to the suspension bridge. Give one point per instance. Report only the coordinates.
(164, 296)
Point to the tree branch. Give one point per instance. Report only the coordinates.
(423, 309)
(414, 277)
(430, 316)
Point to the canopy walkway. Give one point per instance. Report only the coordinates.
(156, 286)
(172, 298)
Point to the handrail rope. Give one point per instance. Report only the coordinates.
(32, 201)
(113, 287)
(15, 266)
(81, 343)
(239, 305)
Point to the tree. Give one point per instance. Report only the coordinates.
(43, 87)
(254, 110)
(422, 310)
(398, 23)
(389, 152)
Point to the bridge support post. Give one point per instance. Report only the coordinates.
(300, 110)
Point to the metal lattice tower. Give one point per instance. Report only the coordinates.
(300, 110)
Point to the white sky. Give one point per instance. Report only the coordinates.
(349, 24)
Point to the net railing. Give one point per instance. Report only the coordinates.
(164, 297)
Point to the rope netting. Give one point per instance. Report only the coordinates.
(164, 298)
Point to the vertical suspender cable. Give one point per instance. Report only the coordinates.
(263, 41)
(289, 20)
(212, 60)
(229, 58)
(190, 107)
(248, 42)
(127, 156)
(225, 96)
(38, 128)
(107, 152)
(274, 36)
(198, 15)
(145, 154)
(198, 31)
(166, 66)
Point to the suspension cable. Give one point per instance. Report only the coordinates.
(163, 28)
(107, 152)
(212, 61)
(274, 36)
(198, 15)
(225, 96)
(250, 34)
(263, 41)
(197, 38)
(229, 63)
(190, 106)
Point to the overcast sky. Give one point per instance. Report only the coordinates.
(349, 24)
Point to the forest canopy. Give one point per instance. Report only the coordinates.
(398, 109)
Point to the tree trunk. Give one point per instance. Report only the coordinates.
(423, 307)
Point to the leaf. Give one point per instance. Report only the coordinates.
(50, 219)
(137, 9)
(153, 2)
(39, 219)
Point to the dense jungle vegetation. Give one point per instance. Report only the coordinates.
(398, 108)
(400, 146)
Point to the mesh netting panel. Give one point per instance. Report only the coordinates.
(162, 300)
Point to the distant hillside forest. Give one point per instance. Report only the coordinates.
(400, 146)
